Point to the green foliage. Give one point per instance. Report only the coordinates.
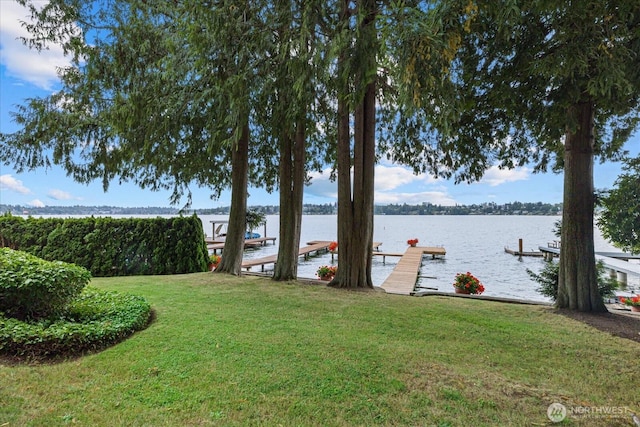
(92, 321)
(34, 288)
(112, 247)
(620, 217)
(29, 235)
(255, 219)
(67, 242)
(547, 278)
(522, 66)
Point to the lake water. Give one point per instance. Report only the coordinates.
(473, 243)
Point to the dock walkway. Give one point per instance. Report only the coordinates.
(306, 251)
(614, 261)
(402, 280)
(214, 245)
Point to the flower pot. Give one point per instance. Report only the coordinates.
(327, 278)
(635, 308)
(462, 291)
(413, 245)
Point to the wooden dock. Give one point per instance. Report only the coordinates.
(617, 263)
(523, 253)
(520, 252)
(215, 245)
(305, 251)
(402, 280)
(384, 255)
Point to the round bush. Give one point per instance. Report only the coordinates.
(94, 320)
(31, 287)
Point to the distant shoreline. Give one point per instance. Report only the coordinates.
(515, 208)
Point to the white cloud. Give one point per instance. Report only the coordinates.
(391, 177)
(8, 182)
(322, 186)
(36, 203)
(388, 180)
(434, 197)
(38, 68)
(495, 176)
(59, 195)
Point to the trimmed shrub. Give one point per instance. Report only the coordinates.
(112, 247)
(31, 287)
(95, 320)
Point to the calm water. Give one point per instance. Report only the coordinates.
(473, 243)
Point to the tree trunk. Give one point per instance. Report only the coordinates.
(234, 242)
(355, 214)
(577, 282)
(292, 174)
(345, 204)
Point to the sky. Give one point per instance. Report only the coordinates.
(26, 73)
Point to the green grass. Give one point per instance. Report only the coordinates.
(247, 351)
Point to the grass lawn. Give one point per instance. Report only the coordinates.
(226, 350)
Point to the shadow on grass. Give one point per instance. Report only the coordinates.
(619, 325)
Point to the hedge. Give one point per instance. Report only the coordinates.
(109, 246)
(31, 287)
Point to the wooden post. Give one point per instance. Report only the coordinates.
(520, 249)
(265, 233)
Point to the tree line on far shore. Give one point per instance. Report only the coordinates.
(514, 208)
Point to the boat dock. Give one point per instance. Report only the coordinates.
(402, 280)
(520, 252)
(215, 245)
(616, 262)
(252, 240)
(523, 253)
(305, 251)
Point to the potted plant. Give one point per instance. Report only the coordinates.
(467, 283)
(633, 302)
(214, 260)
(333, 246)
(326, 272)
(412, 242)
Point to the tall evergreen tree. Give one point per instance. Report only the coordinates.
(288, 108)
(160, 94)
(548, 83)
(357, 67)
(136, 104)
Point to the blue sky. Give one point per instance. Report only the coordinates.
(25, 73)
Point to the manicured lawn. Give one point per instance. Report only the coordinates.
(228, 350)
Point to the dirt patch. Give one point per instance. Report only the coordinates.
(617, 324)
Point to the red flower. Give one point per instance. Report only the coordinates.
(634, 301)
(469, 283)
(333, 246)
(327, 271)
